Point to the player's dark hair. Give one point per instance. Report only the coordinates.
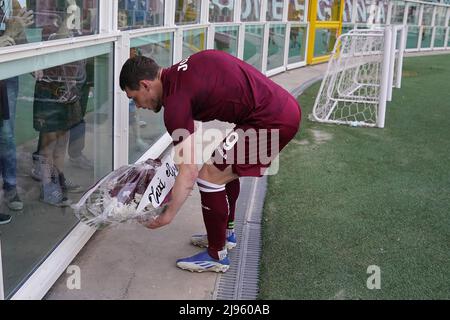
(136, 69)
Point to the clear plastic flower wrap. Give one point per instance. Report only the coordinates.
(140, 191)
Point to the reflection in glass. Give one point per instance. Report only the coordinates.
(413, 14)
(439, 37)
(135, 14)
(346, 28)
(156, 46)
(398, 11)
(324, 41)
(221, 11)
(146, 127)
(187, 11)
(348, 11)
(371, 11)
(440, 16)
(250, 10)
(73, 18)
(427, 33)
(275, 56)
(193, 41)
(253, 45)
(297, 44)
(399, 40)
(412, 41)
(328, 10)
(226, 39)
(296, 10)
(382, 10)
(63, 113)
(427, 16)
(362, 27)
(274, 10)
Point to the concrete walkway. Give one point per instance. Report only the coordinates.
(132, 262)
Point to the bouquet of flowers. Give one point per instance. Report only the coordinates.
(140, 191)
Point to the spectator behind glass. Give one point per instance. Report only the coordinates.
(80, 15)
(57, 109)
(70, 27)
(13, 21)
(4, 115)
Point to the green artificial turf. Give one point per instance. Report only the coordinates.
(346, 198)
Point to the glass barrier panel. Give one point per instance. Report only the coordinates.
(347, 27)
(274, 10)
(187, 11)
(45, 20)
(57, 142)
(146, 127)
(426, 37)
(398, 11)
(448, 38)
(348, 11)
(250, 10)
(193, 41)
(135, 14)
(328, 10)
(296, 11)
(413, 14)
(369, 11)
(412, 41)
(277, 36)
(324, 41)
(439, 37)
(253, 45)
(427, 16)
(221, 11)
(441, 13)
(297, 44)
(226, 39)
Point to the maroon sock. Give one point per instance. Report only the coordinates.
(215, 210)
(233, 188)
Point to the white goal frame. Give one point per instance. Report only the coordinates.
(363, 68)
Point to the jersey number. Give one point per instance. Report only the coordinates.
(183, 65)
(230, 141)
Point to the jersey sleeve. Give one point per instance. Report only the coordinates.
(178, 117)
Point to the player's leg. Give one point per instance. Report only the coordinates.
(215, 208)
(233, 189)
(243, 149)
(201, 240)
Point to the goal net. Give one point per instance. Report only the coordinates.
(359, 78)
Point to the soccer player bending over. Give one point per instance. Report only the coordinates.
(213, 85)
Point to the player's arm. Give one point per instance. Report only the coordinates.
(184, 182)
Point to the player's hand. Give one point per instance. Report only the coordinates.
(161, 220)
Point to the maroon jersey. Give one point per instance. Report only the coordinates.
(213, 85)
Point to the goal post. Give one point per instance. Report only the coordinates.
(399, 34)
(359, 78)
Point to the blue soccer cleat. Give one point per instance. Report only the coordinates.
(204, 262)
